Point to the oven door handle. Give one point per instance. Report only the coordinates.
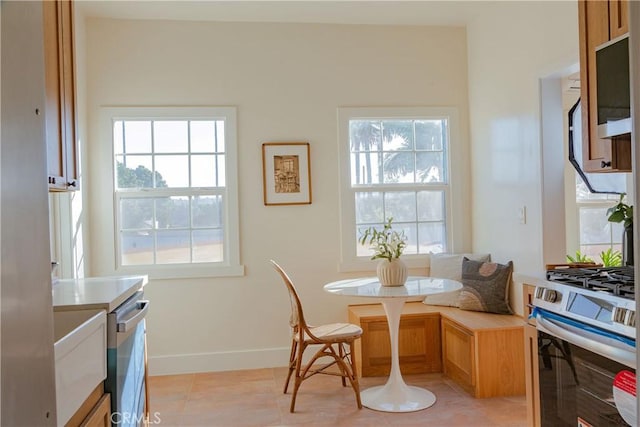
(141, 312)
(609, 348)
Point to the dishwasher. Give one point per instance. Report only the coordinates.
(126, 362)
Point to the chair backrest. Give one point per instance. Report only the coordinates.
(296, 320)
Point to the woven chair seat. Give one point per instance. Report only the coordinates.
(333, 332)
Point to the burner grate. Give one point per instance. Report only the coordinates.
(612, 280)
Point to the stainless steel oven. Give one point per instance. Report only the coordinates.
(586, 349)
(126, 376)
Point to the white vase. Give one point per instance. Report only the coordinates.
(392, 273)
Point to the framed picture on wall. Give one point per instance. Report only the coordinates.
(286, 173)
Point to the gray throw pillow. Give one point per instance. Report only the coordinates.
(449, 266)
(485, 286)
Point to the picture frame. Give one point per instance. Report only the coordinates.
(286, 173)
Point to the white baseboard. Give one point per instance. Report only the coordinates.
(223, 361)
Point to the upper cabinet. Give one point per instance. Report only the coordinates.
(600, 22)
(60, 109)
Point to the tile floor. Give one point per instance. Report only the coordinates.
(255, 398)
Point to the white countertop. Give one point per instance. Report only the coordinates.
(95, 292)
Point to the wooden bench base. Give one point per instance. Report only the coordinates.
(482, 352)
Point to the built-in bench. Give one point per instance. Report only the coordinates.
(482, 352)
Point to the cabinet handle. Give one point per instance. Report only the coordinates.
(71, 184)
(605, 164)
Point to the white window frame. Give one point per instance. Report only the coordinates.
(231, 265)
(349, 261)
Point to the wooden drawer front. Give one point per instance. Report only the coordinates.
(458, 349)
(528, 292)
(419, 346)
(101, 414)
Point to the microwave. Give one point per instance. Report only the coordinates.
(613, 91)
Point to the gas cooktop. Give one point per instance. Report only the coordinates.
(618, 281)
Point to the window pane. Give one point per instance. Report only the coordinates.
(118, 138)
(397, 135)
(208, 246)
(430, 206)
(203, 171)
(174, 247)
(206, 211)
(429, 134)
(134, 172)
(399, 167)
(432, 238)
(430, 167)
(594, 227)
(137, 136)
(174, 170)
(222, 170)
(220, 142)
(136, 213)
(412, 239)
(365, 135)
(401, 206)
(203, 136)
(365, 168)
(170, 136)
(136, 247)
(369, 208)
(172, 212)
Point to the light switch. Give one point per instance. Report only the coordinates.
(522, 215)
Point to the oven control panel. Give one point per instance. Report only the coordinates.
(598, 309)
(624, 316)
(548, 295)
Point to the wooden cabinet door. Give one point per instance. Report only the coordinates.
(618, 18)
(418, 351)
(593, 31)
(595, 28)
(527, 300)
(53, 106)
(60, 107)
(458, 349)
(532, 381)
(100, 416)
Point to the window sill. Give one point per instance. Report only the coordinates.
(187, 271)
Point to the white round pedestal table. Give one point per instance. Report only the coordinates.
(395, 395)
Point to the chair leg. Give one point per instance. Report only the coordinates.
(298, 379)
(292, 363)
(344, 373)
(355, 383)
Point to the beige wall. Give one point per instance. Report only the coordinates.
(512, 45)
(287, 81)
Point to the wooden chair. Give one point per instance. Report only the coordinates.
(336, 341)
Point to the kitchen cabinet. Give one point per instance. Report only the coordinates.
(94, 412)
(532, 383)
(418, 338)
(599, 22)
(60, 94)
(483, 353)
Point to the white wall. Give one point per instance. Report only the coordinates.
(287, 81)
(511, 46)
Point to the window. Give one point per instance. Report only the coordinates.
(597, 234)
(176, 203)
(396, 164)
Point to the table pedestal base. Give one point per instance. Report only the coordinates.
(390, 398)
